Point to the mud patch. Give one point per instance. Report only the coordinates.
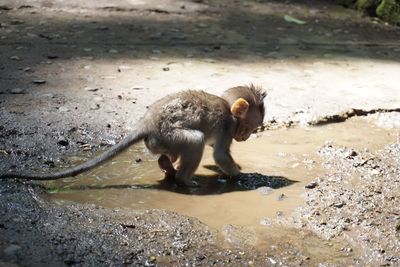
(276, 165)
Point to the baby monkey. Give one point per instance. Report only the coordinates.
(178, 127)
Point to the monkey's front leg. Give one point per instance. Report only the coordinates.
(224, 159)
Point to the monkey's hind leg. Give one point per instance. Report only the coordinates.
(165, 164)
(190, 144)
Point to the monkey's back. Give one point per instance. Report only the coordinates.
(196, 110)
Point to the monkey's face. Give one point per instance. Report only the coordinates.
(249, 123)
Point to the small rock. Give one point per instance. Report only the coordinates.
(272, 261)
(113, 51)
(27, 69)
(138, 160)
(16, 58)
(102, 28)
(265, 222)
(264, 190)
(123, 67)
(95, 107)
(39, 81)
(63, 109)
(62, 141)
(52, 56)
(17, 91)
(375, 172)
(91, 89)
(12, 250)
(311, 185)
(295, 165)
(339, 205)
(98, 99)
(281, 197)
(138, 88)
(87, 49)
(165, 69)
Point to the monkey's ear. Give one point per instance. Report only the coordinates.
(240, 107)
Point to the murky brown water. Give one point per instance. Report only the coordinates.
(285, 155)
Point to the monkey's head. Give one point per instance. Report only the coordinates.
(247, 105)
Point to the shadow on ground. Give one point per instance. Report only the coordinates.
(219, 30)
(207, 184)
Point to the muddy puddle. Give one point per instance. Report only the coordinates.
(276, 164)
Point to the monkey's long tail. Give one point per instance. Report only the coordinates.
(131, 139)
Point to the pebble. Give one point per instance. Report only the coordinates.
(113, 51)
(281, 197)
(339, 204)
(63, 109)
(272, 261)
(165, 69)
(39, 81)
(311, 185)
(264, 190)
(138, 88)
(16, 58)
(95, 107)
(17, 91)
(265, 222)
(91, 89)
(123, 67)
(62, 141)
(103, 28)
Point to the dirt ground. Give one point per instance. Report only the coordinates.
(75, 78)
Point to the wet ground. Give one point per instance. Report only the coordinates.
(76, 76)
(276, 167)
